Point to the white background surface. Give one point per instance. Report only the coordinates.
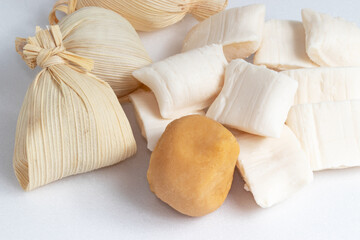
(116, 203)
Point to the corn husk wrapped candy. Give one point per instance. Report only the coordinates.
(108, 39)
(71, 121)
(146, 15)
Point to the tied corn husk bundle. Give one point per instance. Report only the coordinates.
(71, 121)
(110, 41)
(146, 15)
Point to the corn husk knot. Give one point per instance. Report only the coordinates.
(47, 49)
(48, 57)
(202, 9)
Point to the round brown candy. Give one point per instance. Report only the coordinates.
(192, 166)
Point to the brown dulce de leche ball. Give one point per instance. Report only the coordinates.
(192, 165)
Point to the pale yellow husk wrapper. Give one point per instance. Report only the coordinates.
(109, 39)
(71, 121)
(146, 15)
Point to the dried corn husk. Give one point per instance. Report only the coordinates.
(71, 121)
(108, 39)
(146, 15)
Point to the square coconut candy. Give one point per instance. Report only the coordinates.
(254, 99)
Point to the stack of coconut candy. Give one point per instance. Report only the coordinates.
(293, 108)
